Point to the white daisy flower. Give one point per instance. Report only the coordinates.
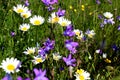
(24, 27)
(25, 15)
(64, 22)
(104, 55)
(108, 15)
(82, 75)
(90, 33)
(54, 18)
(29, 51)
(38, 60)
(10, 65)
(20, 8)
(56, 56)
(77, 31)
(37, 20)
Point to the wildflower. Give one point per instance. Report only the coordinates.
(118, 18)
(7, 77)
(75, 10)
(20, 78)
(98, 2)
(77, 32)
(20, 8)
(107, 60)
(82, 7)
(49, 2)
(10, 65)
(69, 61)
(26, 3)
(119, 27)
(69, 31)
(104, 55)
(60, 12)
(100, 16)
(40, 75)
(54, 18)
(70, 7)
(111, 21)
(38, 60)
(90, 33)
(82, 75)
(37, 20)
(56, 56)
(98, 51)
(108, 15)
(25, 15)
(115, 47)
(24, 27)
(29, 51)
(12, 34)
(64, 22)
(71, 46)
(50, 8)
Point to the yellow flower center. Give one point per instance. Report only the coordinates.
(38, 60)
(11, 67)
(37, 22)
(25, 16)
(63, 24)
(20, 10)
(56, 19)
(81, 71)
(24, 29)
(81, 77)
(77, 33)
(30, 51)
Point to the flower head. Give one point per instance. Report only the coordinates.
(38, 60)
(10, 65)
(24, 27)
(29, 51)
(40, 75)
(20, 8)
(69, 31)
(71, 46)
(56, 56)
(60, 12)
(64, 22)
(37, 20)
(49, 2)
(69, 61)
(25, 15)
(54, 18)
(82, 75)
(108, 15)
(90, 33)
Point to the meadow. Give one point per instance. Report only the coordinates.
(59, 40)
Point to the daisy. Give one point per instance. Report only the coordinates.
(54, 18)
(10, 65)
(56, 56)
(37, 20)
(108, 15)
(20, 8)
(38, 60)
(24, 27)
(77, 32)
(90, 33)
(82, 75)
(29, 51)
(64, 22)
(26, 14)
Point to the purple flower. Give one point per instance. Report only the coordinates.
(50, 8)
(40, 75)
(7, 77)
(71, 46)
(20, 78)
(110, 2)
(69, 61)
(100, 16)
(101, 25)
(26, 3)
(69, 31)
(119, 27)
(49, 2)
(114, 47)
(60, 12)
(12, 34)
(118, 18)
(98, 2)
(111, 21)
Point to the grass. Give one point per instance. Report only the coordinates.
(83, 20)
